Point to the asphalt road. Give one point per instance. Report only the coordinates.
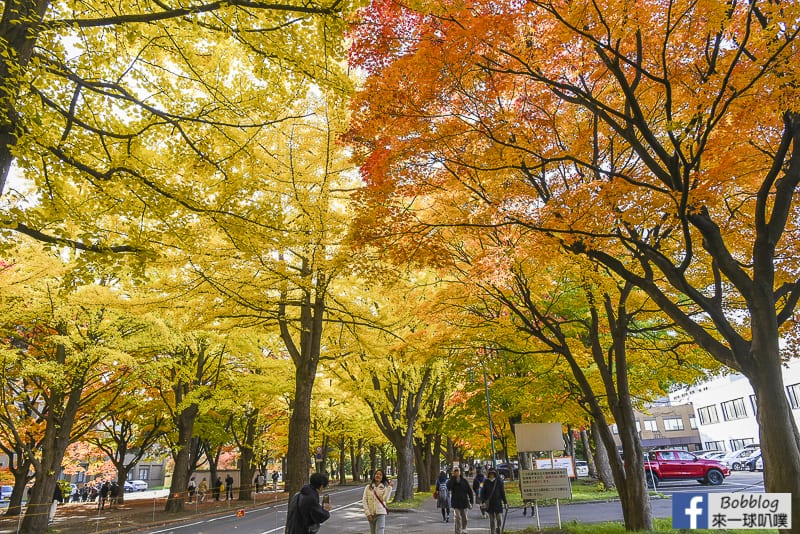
(347, 517)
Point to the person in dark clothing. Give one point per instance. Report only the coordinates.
(103, 494)
(113, 494)
(217, 489)
(493, 499)
(305, 513)
(477, 482)
(461, 499)
(58, 497)
(229, 487)
(443, 497)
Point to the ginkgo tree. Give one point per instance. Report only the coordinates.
(660, 139)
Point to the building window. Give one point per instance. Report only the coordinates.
(737, 444)
(651, 425)
(754, 404)
(733, 409)
(794, 395)
(715, 445)
(692, 422)
(614, 429)
(144, 473)
(638, 426)
(708, 415)
(673, 423)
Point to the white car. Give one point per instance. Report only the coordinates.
(581, 468)
(760, 464)
(139, 485)
(736, 459)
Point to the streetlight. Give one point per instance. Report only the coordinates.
(482, 351)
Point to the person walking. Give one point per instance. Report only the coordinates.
(58, 497)
(477, 483)
(461, 499)
(202, 489)
(191, 489)
(229, 487)
(443, 496)
(376, 494)
(103, 495)
(493, 500)
(217, 488)
(305, 514)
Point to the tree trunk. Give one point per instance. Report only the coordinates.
(779, 436)
(602, 464)
(247, 457)
(61, 413)
(342, 458)
(404, 491)
(21, 472)
(182, 469)
(298, 460)
(588, 450)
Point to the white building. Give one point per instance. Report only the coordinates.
(725, 408)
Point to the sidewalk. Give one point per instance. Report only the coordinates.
(138, 512)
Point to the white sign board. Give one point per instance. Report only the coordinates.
(541, 484)
(532, 437)
(562, 462)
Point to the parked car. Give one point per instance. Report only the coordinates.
(139, 485)
(712, 455)
(128, 487)
(504, 470)
(581, 468)
(735, 460)
(749, 463)
(759, 464)
(681, 465)
(5, 492)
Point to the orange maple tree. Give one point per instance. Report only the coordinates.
(660, 139)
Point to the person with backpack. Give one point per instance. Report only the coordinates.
(477, 483)
(493, 500)
(443, 496)
(461, 499)
(305, 513)
(376, 494)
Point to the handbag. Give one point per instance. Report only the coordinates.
(436, 494)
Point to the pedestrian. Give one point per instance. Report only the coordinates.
(305, 513)
(58, 497)
(262, 481)
(255, 483)
(275, 481)
(374, 500)
(229, 487)
(493, 500)
(113, 494)
(202, 489)
(477, 482)
(217, 488)
(461, 499)
(103, 495)
(443, 496)
(191, 489)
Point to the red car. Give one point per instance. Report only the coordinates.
(681, 465)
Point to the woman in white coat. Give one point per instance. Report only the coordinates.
(376, 495)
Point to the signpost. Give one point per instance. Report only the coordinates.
(544, 483)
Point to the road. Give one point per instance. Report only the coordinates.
(347, 517)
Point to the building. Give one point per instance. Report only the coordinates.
(664, 425)
(725, 408)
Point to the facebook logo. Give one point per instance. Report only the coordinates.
(690, 510)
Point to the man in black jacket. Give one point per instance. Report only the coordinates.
(461, 499)
(305, 513)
